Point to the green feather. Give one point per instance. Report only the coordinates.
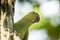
(22, 25)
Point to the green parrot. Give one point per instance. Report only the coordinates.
(22, 26)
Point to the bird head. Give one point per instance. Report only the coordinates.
(33, 17)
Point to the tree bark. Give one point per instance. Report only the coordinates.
(6, 19)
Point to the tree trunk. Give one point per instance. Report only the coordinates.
(6, 19)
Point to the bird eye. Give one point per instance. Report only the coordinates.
(37, 19)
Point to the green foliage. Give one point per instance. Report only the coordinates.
(35, 7)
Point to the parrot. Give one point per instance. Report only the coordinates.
(48, 28)
(22, 26)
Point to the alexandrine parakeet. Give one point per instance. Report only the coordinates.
(22, 26)
(48, 27)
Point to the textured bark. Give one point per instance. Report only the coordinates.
(6, 19)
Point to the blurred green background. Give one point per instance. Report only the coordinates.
(48, 28)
